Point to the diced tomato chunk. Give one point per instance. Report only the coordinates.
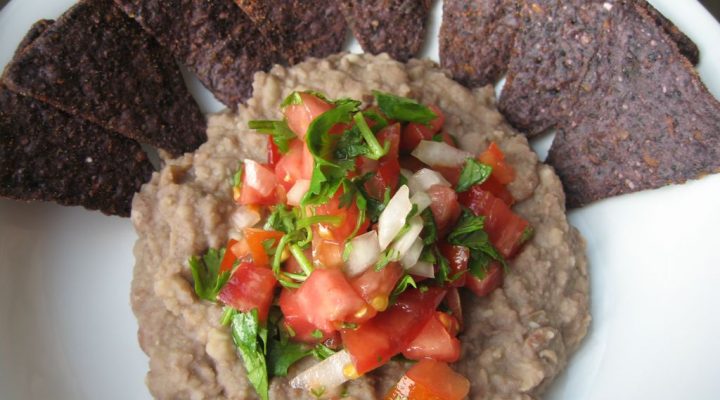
(493, 279)
(256, 239)
(250, 287)
(229, 258)
(495, 158)
(452, 174)
(273, 153)
(414, 132)
(300, 116)
(386, 176)
(498, 190)
(258, 185)
(458, 257)
(430, 380)
(296, 323)
(452, 301)
(435, 341)
(326, 253)
(327, 299)
(444, 206)
(391, 134)
(505, 228)
(412, 164)
(296, 164)
(374, 342)
(348, 219)
(375, 287)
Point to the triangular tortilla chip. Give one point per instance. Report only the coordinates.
(96, 63)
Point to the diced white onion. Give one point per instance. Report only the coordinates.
(296, 193)
(427, 177)
(364, 253)
(422, 200)
(326, 374)
(440, 154)
(412, 256)
(402, 244)
(244, 217)
(422, 268)
(392, 219)
(256, 173)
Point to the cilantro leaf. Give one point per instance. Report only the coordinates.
(405, 282)
(469, 233)
(206, 274)
(429, 231)
(283, 354)
(403, 109)
(278, 130)
(321, 352)
(350, 145)
(318, 139)
(473, 173)
(281, 219)
(248, 335)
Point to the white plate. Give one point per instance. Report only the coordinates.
(67, 332)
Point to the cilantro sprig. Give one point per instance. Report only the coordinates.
(473, 173)
(278, 130)
(206, 274)
(403, 109)
(469, 232)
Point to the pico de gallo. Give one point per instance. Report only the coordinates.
(373, 221)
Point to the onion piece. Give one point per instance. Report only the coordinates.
(244, 217)
(296, 193)
(255, 173)
(393, 216)
(326, 374)
(426, 177)
(422, 200)
(422, 268)
(440, 154)
(365, 251)
(402, 244)
(412, 256)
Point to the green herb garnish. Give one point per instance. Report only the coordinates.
(206, 274)
(473, 173)
(403, 109)
(251, 341)
(278, 130)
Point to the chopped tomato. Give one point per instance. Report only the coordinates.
(250, 287)
(415, 132)
(430, 380)
(498, 190)
(258, 185)
(495, 158)
(452, 174)
(296, 323)
(326, 253)
(504, 227)
(458, 257)
(374, 342)
(327, 299)
(296, 164)
(300, 116)
(376, 286)
(348, 219)
(391, 134)
(229, 258)
(241, 250)
(256, 241)
(273, 152)
(435, 341)
(444, 206)
(387, 176)
(452, 301)
(412, 164)
(493, 279)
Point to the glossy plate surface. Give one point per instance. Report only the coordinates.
(67, 331)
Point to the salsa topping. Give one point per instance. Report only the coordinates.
(373, 221)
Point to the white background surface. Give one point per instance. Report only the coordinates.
(67, 331)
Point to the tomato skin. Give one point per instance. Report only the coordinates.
(375, 287)
(495, 158)
(414, 132)
(504, 227)
(497, 189)
(374, 342)
(300, 116)
(326, 253)
(430, 380)
(391, 134)
(250, 287)
(258, 185)
(434, 341)
(229, 258)
(444, 206)
(452, 301)
(327, 299)
(273, 152)
(458, 257)
(348, 219)
(296, 164)
(296, 322)
(492, 280)
(255, 238)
